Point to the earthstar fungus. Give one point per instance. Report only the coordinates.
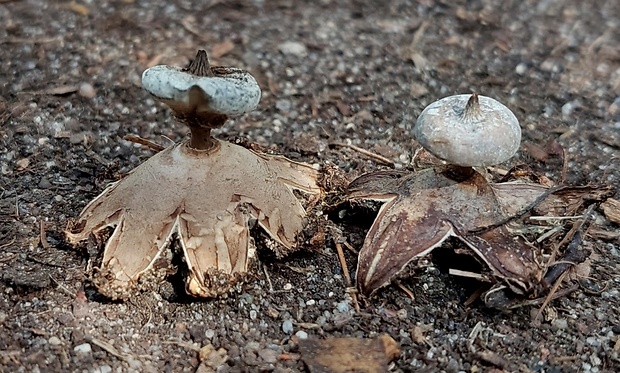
(422, 209)
(206, 192)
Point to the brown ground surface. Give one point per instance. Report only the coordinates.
(359, 72)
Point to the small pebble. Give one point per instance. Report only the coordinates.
(293, 48)
(568, 108)
(84, 348)
(288, 286)
(452, 366)
(283, 105)
(521, 68)
(559, 324)
(301, 335)
(611, 294)
(44, 183)
(209, 333)
(54, 341)
(343, 306)
(287, 326)
(86, 90)
(252, 346)
(247, 298)
(268, 355)
(133, 363)
(77, 138)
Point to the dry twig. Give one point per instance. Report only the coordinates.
(350, 248)
(111, 349)
(267, 277)
(549, 296)
(6, 245)
(41, 40)
(406, 290)
(379, 158)
(43, 235)
(186, 345)
(189, 25)
(347, 276)
(142, 141)
(62, 287)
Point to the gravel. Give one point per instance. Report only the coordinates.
(356, 73)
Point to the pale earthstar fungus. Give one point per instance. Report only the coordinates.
(423, 209)
(206, 192)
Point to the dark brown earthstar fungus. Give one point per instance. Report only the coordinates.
(423, 209)
(205, 192)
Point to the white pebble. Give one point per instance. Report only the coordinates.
(86, 90)
(521, 68)
(343, 306)
(54, 341)
(568, 108)
(134, 363)
(102, 369)
(301, 335)
(84, 348)
(287, 326)
(559, 324)
(293, 48)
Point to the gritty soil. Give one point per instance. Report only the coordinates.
(354, 72)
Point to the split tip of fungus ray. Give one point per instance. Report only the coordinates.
(390, 251)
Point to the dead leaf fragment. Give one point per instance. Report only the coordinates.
(59, 90)
(611, 209)
(220, 49)
(80, 306)
(345, 355)
(492, 358)
(22, 164)
(211, 359)
(80, 9)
